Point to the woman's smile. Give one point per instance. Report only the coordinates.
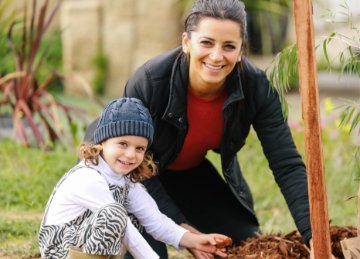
(213, 67)
(214, 49)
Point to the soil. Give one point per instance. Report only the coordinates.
(279, 246)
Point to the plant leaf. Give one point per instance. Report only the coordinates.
(29, 115)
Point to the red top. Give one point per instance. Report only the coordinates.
(206, 122)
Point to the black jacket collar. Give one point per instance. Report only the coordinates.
(175, 112)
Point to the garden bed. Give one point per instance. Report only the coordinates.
(291, 245)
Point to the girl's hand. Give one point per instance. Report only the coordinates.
(204, 246)
(223, 242)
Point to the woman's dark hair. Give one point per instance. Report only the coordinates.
(233, 10)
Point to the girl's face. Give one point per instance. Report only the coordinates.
(124, 154)
(214, 48)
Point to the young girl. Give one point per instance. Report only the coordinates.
(90, 205)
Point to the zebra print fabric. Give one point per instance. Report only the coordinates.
(98, 233)
(103, 232)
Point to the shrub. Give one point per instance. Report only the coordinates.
(25, 94)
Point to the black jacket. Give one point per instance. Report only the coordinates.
(161, 84)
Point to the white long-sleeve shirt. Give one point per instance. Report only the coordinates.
(86, 189)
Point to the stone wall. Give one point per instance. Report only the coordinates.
(129, 32)
(81, 32)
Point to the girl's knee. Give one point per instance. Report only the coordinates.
(107, 230)
(113, 214)
(114, 210)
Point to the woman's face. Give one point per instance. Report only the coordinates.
(214, 48)
(124, 154)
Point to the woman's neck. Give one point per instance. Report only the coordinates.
(206, 93)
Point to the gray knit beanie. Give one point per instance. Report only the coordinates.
(124, 116)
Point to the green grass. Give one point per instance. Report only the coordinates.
(28, 176)
(18, 236)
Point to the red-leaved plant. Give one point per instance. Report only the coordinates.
(23, 96)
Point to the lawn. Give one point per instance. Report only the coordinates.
(29, 174)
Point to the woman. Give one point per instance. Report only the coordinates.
(206, 95)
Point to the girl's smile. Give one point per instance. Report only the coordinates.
(124, 154)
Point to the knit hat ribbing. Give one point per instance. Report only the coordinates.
(124, 116)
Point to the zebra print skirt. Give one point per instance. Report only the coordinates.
(99, 233)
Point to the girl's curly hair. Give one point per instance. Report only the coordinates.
(90, 153)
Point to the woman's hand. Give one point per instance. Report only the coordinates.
(200, 254)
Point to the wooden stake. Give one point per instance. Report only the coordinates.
(311, 116)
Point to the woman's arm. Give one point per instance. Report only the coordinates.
(280, 150)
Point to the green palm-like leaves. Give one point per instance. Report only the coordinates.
(284, 68)
(282, 72)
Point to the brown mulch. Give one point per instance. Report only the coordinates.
(290, 246)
